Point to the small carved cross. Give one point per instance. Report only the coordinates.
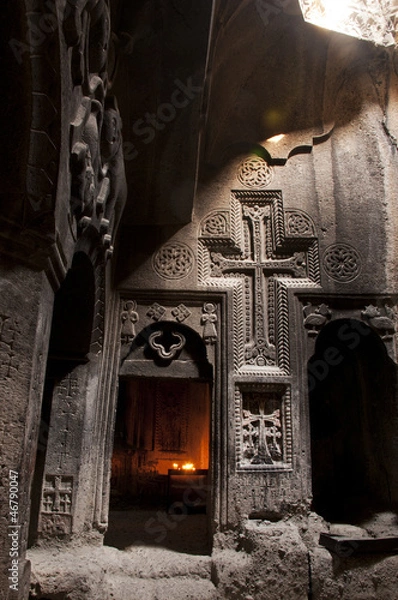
(55, 495)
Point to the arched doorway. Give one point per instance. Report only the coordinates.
(353, 413)
(160, 484)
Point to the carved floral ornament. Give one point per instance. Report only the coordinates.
(255, 172)
(382, 319)
(342, 262)
(173, 261)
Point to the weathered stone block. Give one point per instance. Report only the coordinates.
(271, 564)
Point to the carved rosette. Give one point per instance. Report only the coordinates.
(255, 172)
(173, 261)
(342, 262)
(298, 224)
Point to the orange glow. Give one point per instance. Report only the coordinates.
(188, 467)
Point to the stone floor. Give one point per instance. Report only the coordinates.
(148, 555)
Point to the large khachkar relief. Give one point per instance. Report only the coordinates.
(263, 427)
(259, 251)
(98, 182)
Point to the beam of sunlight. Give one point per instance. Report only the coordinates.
(370, 20)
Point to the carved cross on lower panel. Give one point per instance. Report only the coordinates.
(263, 427)
(57, 494)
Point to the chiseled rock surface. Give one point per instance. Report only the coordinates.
(87, 573)
(272, 564)
(372, 577)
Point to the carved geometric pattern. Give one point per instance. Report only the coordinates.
(260, 263)
(342, 262)
(171, 420)
(255, 172)
(181, 313)
(264, 427)
(216, 224)
(173, 261)
(298, 224)
(156, 311)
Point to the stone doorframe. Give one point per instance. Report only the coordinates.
(205, 314)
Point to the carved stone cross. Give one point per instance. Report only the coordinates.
(262, 426)
(258, 264)
(56, 496)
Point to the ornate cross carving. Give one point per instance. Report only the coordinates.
(257, 428)
(259, 254)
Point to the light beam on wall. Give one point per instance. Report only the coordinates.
(370, 20)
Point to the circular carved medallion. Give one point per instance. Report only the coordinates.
(255, 172)
(173, 261)
(298, 224)
(342, 262)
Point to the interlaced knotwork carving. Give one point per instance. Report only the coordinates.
(173, 261)
(342, 262)
(181, 313)
(156, 311)
(298, 224)
(216, 224)
(255, 172)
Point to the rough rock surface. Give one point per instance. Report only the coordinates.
(87, 573)
(272, 564)
(353, 578)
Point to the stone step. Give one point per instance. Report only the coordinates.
(104, 573)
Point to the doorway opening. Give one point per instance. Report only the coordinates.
(353, 414)
(160, 466)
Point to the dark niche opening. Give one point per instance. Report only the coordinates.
(73, 314)
(70, 340)
(160, 465)
(354, 417)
